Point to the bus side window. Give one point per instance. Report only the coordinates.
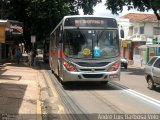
(57, 37)
(68, 43)
(61, 35)
(52, 42)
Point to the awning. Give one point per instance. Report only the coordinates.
(3, 22)
(149, 46)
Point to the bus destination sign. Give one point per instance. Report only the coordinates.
(90, 22)
(97, 22)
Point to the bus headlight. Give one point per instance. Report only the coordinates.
(70, 67)
(115, 66)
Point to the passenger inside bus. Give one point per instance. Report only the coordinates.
(73, 43)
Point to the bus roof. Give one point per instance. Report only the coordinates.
(70, 16)
(83, 16)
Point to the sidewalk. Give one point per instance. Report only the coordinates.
(19, 92)
(137, 65)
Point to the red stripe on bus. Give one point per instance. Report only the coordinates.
(62, 55)
(54, 53)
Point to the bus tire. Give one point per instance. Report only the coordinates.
(64, 83)
(52, 71)
(58, 71)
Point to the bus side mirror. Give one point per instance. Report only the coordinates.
(122, 33)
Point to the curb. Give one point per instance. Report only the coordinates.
(39, 107)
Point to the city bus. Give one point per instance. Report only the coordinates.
(85, 48)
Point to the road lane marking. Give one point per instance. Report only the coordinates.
(144, 97)
(60, 109)
(157, 101)
(137, 94)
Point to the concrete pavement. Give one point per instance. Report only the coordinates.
(19, 92)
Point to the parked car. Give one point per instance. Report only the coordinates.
(124, 63)
(152, 72)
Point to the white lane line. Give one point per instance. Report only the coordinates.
(144, 97)
(137, 94)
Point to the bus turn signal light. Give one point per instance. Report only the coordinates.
(69, 66)
(115, 66)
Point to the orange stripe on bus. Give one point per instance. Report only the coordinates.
(54, 53)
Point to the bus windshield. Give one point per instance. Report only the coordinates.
(91, 44)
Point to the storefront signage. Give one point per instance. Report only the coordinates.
(124, 43)
(15, 28)
(2, 34)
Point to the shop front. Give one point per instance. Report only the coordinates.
(150, 51)
(138, 55)
(127, 51)
(11, 35)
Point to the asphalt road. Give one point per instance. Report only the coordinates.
(128, 96)
(134, 79)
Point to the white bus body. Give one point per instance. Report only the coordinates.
(85, 48)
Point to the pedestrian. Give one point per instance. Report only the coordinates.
(18, 55)
(30, 58)
(34, 57)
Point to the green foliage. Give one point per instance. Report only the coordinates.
(87, 5)
(116, 6)
(41, 16)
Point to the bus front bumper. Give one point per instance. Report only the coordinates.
(90, 76)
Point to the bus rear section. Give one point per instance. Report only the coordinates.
(85, 49)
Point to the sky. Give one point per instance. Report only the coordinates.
(100, 9)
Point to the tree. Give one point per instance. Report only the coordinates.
(86, 5)
(41, 16)
(116, 6)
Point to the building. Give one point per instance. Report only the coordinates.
(11, 37)
(140, 29)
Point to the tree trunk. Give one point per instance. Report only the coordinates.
(157, 15)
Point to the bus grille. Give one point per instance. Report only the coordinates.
(97, 64)
(91, 69)
(92, 75)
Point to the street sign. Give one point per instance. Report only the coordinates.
(33, 39)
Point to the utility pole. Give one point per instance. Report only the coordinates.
(33, 40)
